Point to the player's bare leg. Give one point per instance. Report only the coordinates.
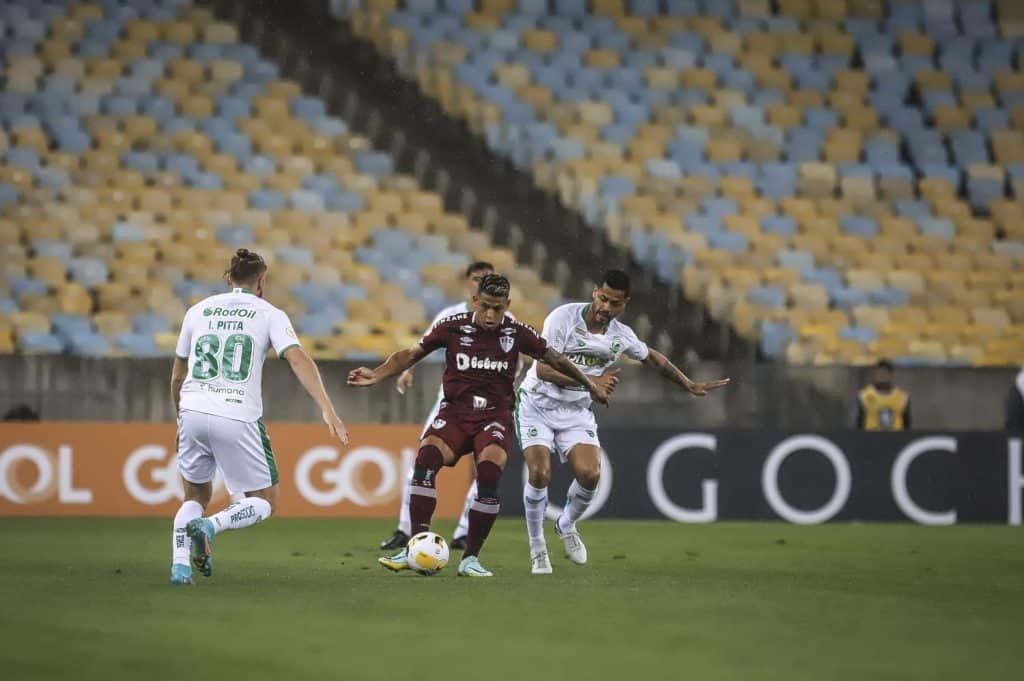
(433, 454)
(535, 503)
(256, 507)
(585, 461)
(197, 496)
(490, 463)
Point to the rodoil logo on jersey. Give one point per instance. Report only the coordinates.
(464, 362)
(229, 312)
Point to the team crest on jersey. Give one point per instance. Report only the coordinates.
(506, 343)
(467, 328)
(438, 424)
(616, 345)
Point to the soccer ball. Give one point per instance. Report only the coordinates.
(427, 553)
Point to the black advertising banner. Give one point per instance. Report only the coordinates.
(927, 478)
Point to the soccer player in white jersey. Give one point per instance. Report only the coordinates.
(216, 385)
(474, 273)
(553, 412)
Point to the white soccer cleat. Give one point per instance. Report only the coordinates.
(575, 549)
(541, 562)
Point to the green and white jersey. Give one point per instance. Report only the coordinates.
(225, 339)
(565, 330)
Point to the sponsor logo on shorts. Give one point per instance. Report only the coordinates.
(590, 433)
(532, 431)
(494, 424)
(438, 424)
(506, 343)
(498, 435)
(464, 362)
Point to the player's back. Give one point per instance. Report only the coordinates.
(225, 339)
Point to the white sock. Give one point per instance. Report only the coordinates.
(180, 543)
(242, 514)
(462, 529)
(404, 521)
(535, 504)
(576, 504)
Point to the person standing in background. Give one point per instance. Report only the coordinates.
(1015, 406)
(881, 405)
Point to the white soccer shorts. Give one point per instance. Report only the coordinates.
(559, 428)
(240, 448)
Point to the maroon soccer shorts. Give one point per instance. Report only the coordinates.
(466, 432)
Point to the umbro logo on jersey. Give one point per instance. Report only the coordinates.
(438, 424)
(506, 343)
(508, 331)
(467, 328)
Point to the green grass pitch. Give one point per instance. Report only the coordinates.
(304, 599)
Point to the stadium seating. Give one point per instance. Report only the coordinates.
(141, 143)
(838, 179)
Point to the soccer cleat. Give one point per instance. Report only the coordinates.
(200, 531)
(397, 562)
(470, 567)
(541, 562)
(395, 541)
(575, 549)
(458, 543)
(181, 574)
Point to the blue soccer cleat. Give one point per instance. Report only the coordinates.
(470, 567)
(397, 562)
(200, 531)
(181, 574)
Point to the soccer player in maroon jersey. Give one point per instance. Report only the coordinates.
(476, 414)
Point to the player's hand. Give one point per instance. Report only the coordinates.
(701, 389)
(362, 377)
(598, 393)
(336, 426)
(608, 380)
(404, 382)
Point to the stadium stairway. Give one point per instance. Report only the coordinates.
(448, 158)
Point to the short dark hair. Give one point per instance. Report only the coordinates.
(617, 280)
(246, 266)
(496, 285)
(884, 364)
(478, 266)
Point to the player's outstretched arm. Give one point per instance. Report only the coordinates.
(395, 364)
(178, 373)
(670, 371)
(306, 371)
(609, 378)
(562, 364)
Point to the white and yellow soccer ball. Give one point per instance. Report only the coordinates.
(427, 553)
